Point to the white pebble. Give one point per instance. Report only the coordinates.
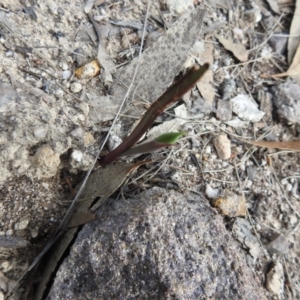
(275, 279)
(242, 167)
(210, 192)
(283, 181)
(293, 220)
(40, 132)
(75, 87)
(289, 187)
(77, 155)
(224, 164)
(64, 66)
(21, 225)
(213, 156)
(66, 74)
(249, 183)
(208, 149)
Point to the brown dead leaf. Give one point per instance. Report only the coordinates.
(81, 218)
(294, 39)
(206, 87)
(238, 50)
(294, 69)
(289, 145)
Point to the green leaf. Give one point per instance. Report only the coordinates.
(170, 137)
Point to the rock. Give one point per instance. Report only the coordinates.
(228, 87)
(75, 87)
(246, 109)
(279, 245)
(46, 161)
(66, 74)
(241, 230)
(22, 224)
(287, 101)
(222, 145)
(113, 141)
(40, 132)
(89, 70)
(77, 133)
(88, 139)
(210, 192)
(80, 160)
(159, 245)
(275, 279)
(224, 110)
(231, 205)
(179, 6)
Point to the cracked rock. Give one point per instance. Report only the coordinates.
(159, 245)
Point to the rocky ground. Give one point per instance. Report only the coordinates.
(54, 116)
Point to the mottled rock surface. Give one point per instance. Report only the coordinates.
(159, 245)
(287, 102)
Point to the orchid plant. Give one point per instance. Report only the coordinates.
(170, 96)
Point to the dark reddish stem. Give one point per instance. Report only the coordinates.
(171, 95)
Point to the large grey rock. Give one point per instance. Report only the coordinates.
(287, 102)
(159, 245)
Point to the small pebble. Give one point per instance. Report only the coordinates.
(249, 184)
(224, 110)
(238, 33)
(66, 74)
(45, 185)
(64, 67)
(9, 53)
(21, 225)
(246, 108)
(284, 181)
(114, 141)
(224, 164)
(77, 155)
(275, 279)
(179, 6)
(222, 145)
(88, 139)
(231, 205)
(75, 87)
(289, 187)
(210, 192)
(40, 132)
(293, 220)
(208, 149)
(279, 245)
(34, 233)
